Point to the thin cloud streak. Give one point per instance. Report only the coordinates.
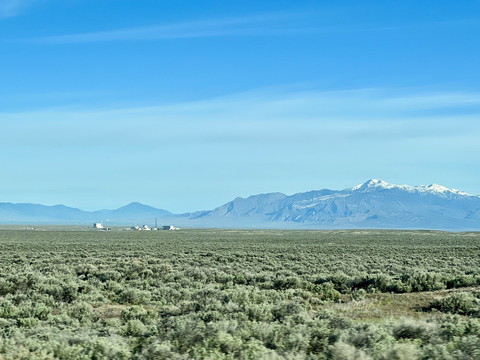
(267, 24)
(9, 8)
(270, 24)
(273, 139)
(416, 26)
(254, 117)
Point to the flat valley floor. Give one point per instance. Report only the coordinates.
(69, 293)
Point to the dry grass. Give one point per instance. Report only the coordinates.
(391, 306)
(109, 311)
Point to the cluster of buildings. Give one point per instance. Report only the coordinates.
(145, 227)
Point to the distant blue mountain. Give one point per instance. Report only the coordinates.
(137, 210)
(11, 212)
(374, 204)
(34, 213)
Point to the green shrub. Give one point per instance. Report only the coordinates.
(219, 294)
(133, 296)
(409, 329)
(83, 312)
(286, 309)
(37, 310)
(8, 310)
(134, 328)
(358, 294)
(159, 350)
(6, 287)
(343, 351)
(137, 313)
(459, 303)
(112, 348)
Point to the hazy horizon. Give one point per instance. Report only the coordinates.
(218, 205)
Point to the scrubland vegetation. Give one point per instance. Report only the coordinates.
(227, 294)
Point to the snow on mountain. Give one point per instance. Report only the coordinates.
(373, 204)
(375, 183)
(425, 189)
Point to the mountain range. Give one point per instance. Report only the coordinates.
(374, 204)
(61, 214)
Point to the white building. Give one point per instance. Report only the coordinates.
(97, 226)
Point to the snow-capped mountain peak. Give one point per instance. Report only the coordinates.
(375, 203)
(440, 190)
(433, 189)
(368, 184)
(374, 184)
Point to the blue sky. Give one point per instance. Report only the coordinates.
(185, 105)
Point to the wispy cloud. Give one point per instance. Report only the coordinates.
(259, 116)
(257, 141)
(9, 8)
(264, 24)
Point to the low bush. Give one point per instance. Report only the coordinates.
(459, 303)
(217, 294)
